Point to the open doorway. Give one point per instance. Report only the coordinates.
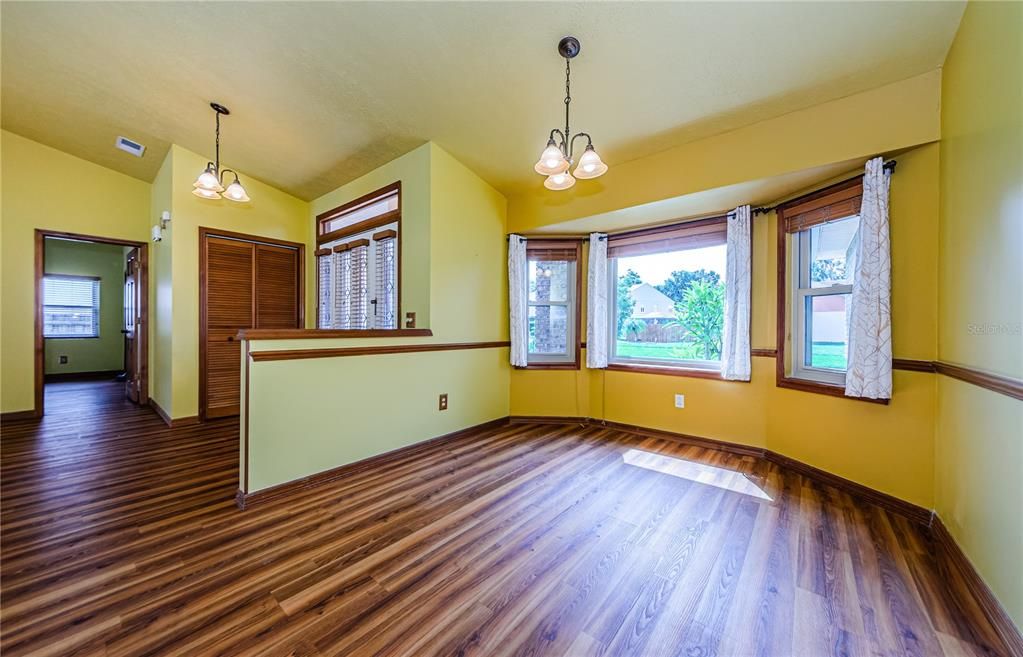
(91, 320)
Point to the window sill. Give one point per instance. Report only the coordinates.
(550, 366)
(71, 337)
(305, 334)
(822, 389)
(643, 368)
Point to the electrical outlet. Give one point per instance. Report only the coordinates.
(63, 359)
(680, 401)
(443, 402)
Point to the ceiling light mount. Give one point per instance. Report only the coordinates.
(210, 183)
(557, 156)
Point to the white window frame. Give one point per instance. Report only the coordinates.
(373, 285)
(802, 289)
(612, 333)
(97, 319)
(571, 307)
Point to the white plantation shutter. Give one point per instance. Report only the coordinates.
(358, 310)
(342, 286)
(70, 307)
(325, 303)
(386, 313)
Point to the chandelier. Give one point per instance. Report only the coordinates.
(558, 156)
(210, 183)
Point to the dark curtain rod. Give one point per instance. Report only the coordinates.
(888, 166)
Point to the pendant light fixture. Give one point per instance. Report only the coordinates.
(557, 157)
(210, 183)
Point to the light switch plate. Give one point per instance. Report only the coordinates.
(680, 401)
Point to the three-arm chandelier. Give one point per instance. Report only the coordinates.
(557, 158)
(210, 183)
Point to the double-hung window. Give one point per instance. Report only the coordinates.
(818, 250)
(666, 292)
(553, 286)
(70, 306)
(357, 261)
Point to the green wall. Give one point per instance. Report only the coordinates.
(86, 259)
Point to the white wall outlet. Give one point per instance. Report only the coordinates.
(680, 401)
(63, 359)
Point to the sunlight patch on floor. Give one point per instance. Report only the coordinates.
(698, 472)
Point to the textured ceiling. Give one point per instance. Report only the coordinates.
(321, 93)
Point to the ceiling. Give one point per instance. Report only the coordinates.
(321, 93)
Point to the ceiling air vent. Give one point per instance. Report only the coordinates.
(129, 146)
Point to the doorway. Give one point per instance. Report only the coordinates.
(91, 312)
(245, 282)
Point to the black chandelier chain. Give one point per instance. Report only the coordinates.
(568, 100)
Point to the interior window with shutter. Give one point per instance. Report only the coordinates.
(358, 263)
(70, 306)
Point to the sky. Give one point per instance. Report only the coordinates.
(656, 268)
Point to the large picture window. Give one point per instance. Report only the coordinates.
(358, 263)
(70, 306)
(666, 296)
(553, 297)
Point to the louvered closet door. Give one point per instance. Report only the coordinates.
(230, 265)
(276, 287)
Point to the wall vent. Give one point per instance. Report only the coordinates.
(129, 146)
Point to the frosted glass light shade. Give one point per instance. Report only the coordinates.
(590, 165)
(206, 193)
(208, 180)
(552, 161)
(235, 192)
(559, 181)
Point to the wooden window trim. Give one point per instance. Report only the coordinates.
(76, 277)
(820, 202)
(693, 234)
(568, 249)
(393, 217)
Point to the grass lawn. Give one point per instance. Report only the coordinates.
(824, 354)
(654, 349)
(828, 354)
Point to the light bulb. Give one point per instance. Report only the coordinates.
(559, 181)
(551, 161)
(206, 193)
(208, 180)
(590, 165)
(235, 192)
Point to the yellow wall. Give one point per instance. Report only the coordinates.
(979, 438)
(106, 262)
(881, 120)
(307, 416)
(161, 305)
(45, 188)
(855, 439)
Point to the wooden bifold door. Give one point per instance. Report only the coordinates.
(245, 281)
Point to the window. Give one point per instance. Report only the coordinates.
(817, 250)
(70, 306)
(822, 283)
(554, 277)
(666, 296)
(357, 263)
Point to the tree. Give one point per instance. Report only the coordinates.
(702, 314)
(828, 269)
(625, 301)
(679, 281)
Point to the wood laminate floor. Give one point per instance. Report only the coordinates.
(120, 537)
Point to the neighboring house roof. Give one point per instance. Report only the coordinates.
(651, 303)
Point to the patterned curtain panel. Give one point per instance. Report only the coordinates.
(324, 265)
(735, 342)
(596, 303)
(869, 372)
(358, 311)
(517, 301)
